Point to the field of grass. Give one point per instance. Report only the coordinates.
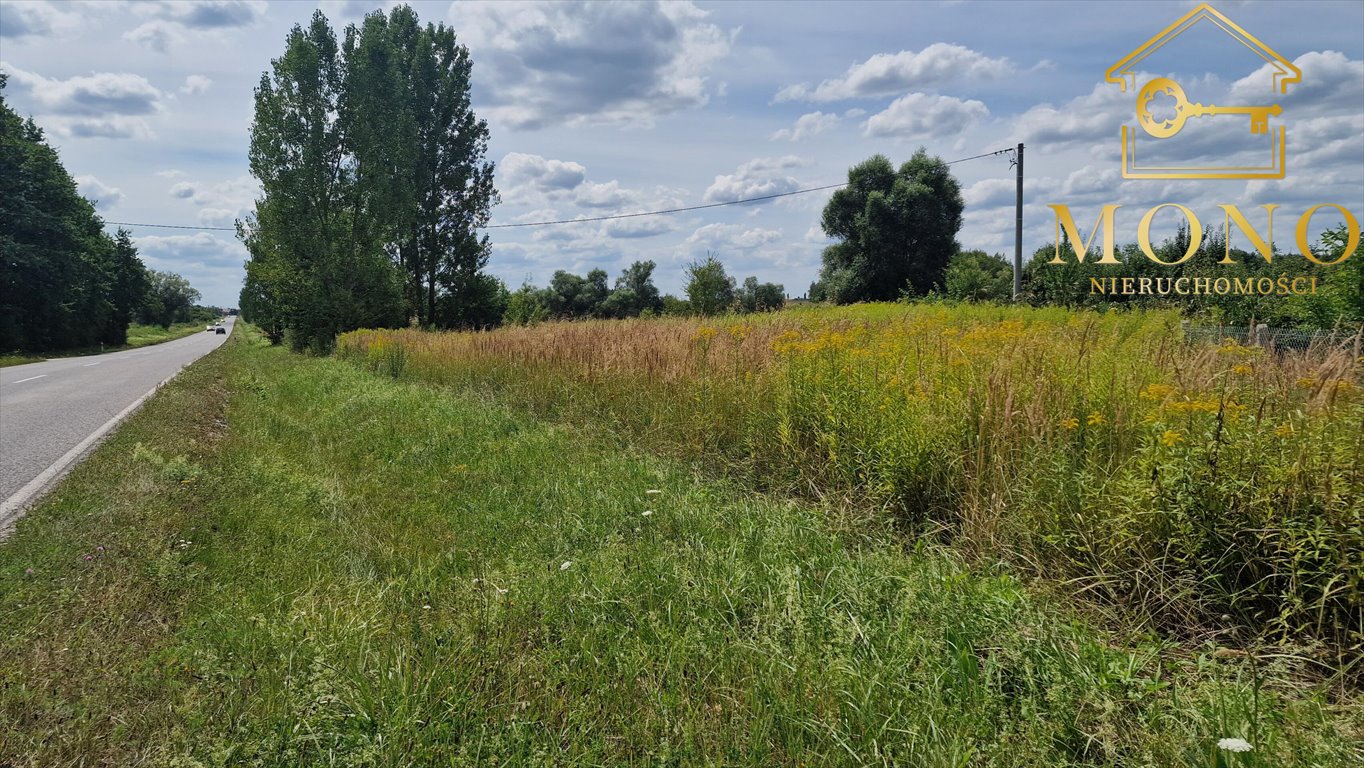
(290, 561)
(138, 336)
(1207, 491)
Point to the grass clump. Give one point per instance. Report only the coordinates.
(307, 564)
(1210, 489)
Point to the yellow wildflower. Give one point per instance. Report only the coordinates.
(1071, 423)
(1307, 383)
(1242, 369)
(1157, 392)
(704, 333)
(1171, 437)
(1095, 419)
(1283, 430)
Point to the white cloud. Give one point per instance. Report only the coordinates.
(348, 9)
(889, 73)
(156, 35)
(538, 173)
(95, 95)
(607, 195)
(217, 217)
(103, 195)
(195, 84)
(1084, 120)
(643, 226)
(20, 19)
(220, 203)
(541, 65)
(810, 124)
(182, 252)
(815, 234)
(756, 178)
(1332, 83)
(204, 14)
(116, 127)
(172, 20)
(926, 115)
(724, 237)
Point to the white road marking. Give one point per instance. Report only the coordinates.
(14, 507)
(30, 378)
(87, 365)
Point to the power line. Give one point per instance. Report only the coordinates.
(669, 210)
(614, 216)
(170, 226)
(977, 157)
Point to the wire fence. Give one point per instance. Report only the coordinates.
(1283, 339)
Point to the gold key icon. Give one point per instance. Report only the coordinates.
(1164, 129)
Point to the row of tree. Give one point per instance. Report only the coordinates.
(64, 283)
(896, 231)
(371, 163)
(1339, 297)
(709, 291)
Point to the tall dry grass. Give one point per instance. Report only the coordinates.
(1203, 486)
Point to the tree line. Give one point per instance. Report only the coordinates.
(709, 290)
(64, 283)
(896, 231)
(371, 163)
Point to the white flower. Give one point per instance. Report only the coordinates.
(566, 565)
(1234, 745)
(647, 512)
(426, 607)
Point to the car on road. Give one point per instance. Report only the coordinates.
(218, 329)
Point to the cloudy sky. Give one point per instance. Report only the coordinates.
(607, 108)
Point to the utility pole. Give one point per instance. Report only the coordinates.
(1018, 227)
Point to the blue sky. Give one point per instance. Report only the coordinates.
(610, 108)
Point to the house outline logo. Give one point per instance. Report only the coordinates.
(1123, 73)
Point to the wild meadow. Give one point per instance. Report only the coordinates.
(1206, 490)
(287, 560)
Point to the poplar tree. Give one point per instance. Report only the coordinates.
(372, 163)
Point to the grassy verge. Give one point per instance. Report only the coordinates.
(145, 335)
(138, 336)
(290, 561)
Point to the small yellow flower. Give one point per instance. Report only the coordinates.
(704, 333)
(1157, 392)
(1071, 423)
(1242, 369)
(1283, 430)
(1345, 386)
(1095, 419)
(1171, 437)
(1307, 382)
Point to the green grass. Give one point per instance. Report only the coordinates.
(287, 561)
(138, 336)
(145, 335)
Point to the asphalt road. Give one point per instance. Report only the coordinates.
(47, 409)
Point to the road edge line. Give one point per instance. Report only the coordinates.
(16, 506)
